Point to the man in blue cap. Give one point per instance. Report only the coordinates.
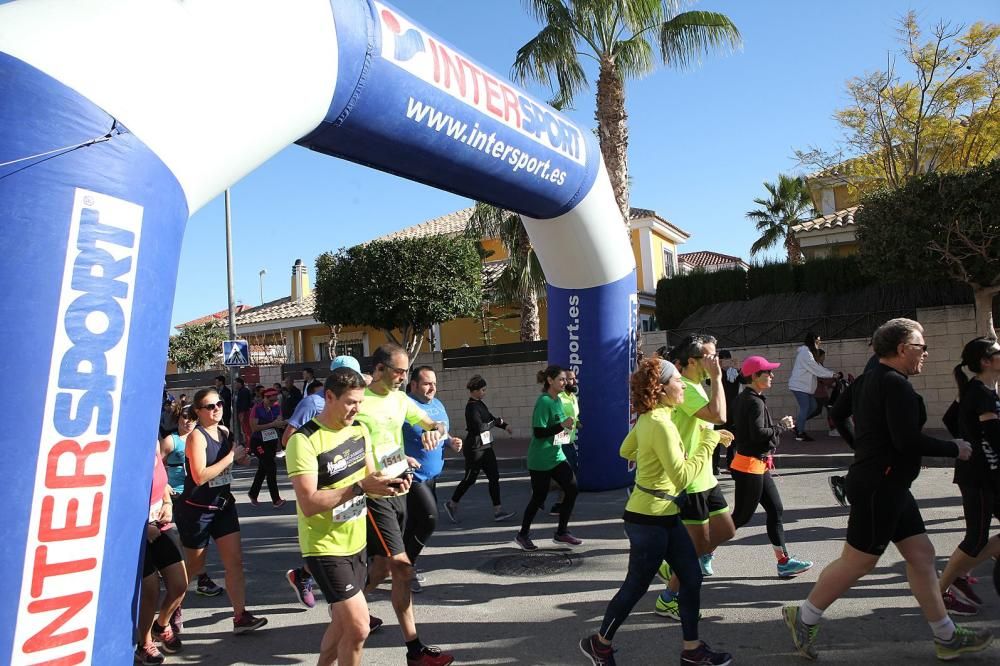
(300, 579)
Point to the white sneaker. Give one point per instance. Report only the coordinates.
(834, 433)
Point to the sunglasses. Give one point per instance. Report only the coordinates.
(213, 405)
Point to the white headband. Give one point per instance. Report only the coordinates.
(667, 370)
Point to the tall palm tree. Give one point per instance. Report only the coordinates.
(788, 204)
(622, 37)
(522, 280)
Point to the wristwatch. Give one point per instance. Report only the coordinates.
(357, 489)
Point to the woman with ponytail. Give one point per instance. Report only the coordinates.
(979, 477)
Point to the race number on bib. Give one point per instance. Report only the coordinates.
(486, 437)
(349, 510)
(269, 435)
(394, 464)
(223, 479)
(562, 439)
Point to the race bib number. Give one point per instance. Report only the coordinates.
(394, 464)
(562, 439)
(349, 510)
(486, 437)
(223, 479)
(269, 435)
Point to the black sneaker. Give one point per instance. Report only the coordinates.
(374, 623)
(704, 656)
(165, 636)
(838, 486)
(246, 623)
(554, 511)
(525, 543)
(147, 655)
(302, 584)
(804, 437)
(207, 587)
(599, 654)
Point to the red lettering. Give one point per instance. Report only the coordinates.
(476, 74)
(47, 638)
(43, 569)
(79, 479)
(71, 529)
(437, 65)
(452, 68)
(68, 660)
(510, 103)
(492, 96)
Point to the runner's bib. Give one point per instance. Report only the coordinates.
(223, 479)
(394, 464)
(486, 437)
(562, 439)
(349, 510)
(269, 435)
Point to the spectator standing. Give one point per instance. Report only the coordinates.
(244, 403)
(227, 397)
(805, 371)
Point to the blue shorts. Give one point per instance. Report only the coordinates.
(196, 525)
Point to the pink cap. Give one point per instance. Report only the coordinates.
(754, 364)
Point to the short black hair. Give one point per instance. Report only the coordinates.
(310, 371)
(476, 382)
(314, 386)
(725, 354)
(385, 352)
(343, 379)
(220, 378)
(415, 373)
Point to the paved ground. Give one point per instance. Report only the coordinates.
(486, 618)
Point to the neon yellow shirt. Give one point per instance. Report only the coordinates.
(690, 426)
(337, 458)
(384, 415)
(571, 408)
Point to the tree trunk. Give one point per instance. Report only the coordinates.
(793, 247)
(331, 346)
(984, 310)
(530, 330)
(612, 133)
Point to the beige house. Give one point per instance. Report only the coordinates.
(833, 233)
(709, 262)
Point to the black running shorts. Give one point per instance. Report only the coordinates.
(699, 507)
(880, 515)
(386, 519)
(196, 525)
(160, 554)
(340, 577)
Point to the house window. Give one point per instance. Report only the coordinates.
(355, 348)
(668, 262)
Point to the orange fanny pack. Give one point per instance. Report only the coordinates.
(748, 465)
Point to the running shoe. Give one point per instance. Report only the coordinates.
(177, 621)
(148, 654)
(280, 503)
(963, 591)
(599, 654)
(302, 584)
(280, 454)
(793, 567)
(804, 437)
(168, 640)
(663, 573)
(956, 606)
(374, 623)
(705, 656)
(430, 656)
(253, 500)
(833, 432)
(670, 609)
(452, 511)
(502, 516)
(803, 635)
(416, 586)
(207, 587)
(963, 641)
(566, 539)
(246, 623)
(525, 543)
(556, 508)
(706, 564)
(838, 486)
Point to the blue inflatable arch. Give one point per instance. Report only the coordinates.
(118, 120)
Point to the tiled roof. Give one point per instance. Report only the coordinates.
(221, 315)
(283, 308)
(840, 218)
(706, 258)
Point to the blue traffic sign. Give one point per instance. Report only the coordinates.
(236, 352)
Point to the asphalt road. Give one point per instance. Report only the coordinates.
(479, 605)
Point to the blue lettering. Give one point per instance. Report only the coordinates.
(561, 135)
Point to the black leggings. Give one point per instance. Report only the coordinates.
(267, 468)
(563, 475)
(475, 460)
(421, 517)
(980, 506)
(754, 489)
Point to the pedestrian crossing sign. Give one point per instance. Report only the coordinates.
(236, 353)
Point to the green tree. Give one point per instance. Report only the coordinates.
(197, 346)
(623, 38)
(938, 226)
(788, 203)
(942, 113)
(522, 281)
(401, 286)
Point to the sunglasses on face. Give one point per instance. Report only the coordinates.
(213, 405)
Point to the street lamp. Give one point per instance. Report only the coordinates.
(261, 275)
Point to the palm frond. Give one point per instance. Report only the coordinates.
(689, 36)
(634, 57)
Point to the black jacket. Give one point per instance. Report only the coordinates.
(756, 432)
(477, 420)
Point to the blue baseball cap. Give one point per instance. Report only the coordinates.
(345, 362)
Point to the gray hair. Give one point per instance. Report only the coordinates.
(893, 333)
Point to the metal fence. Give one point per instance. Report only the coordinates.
(514, 352)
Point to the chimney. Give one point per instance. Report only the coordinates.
(300, 282)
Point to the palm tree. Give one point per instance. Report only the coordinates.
(522, 280)
(622, 36)
(789, 204)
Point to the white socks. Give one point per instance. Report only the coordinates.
(944, 629)
(810, 614)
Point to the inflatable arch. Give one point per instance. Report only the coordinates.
(118, 119)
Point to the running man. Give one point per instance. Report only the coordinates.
(888, 444)
(332, 467)
(384, 411)
(705, 513)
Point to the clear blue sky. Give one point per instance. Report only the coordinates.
(702, 141)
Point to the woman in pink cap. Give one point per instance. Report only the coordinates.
(757, 437)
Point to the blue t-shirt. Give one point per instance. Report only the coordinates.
(431, 462)
(307, 408)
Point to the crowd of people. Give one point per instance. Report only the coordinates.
(364, 456)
